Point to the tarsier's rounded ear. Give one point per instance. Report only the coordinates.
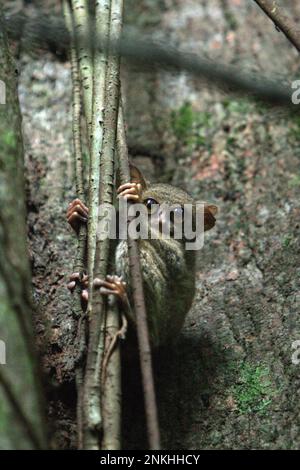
(210, 211)
(136, 176)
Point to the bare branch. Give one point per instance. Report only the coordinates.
(145, 53)
(281, 21)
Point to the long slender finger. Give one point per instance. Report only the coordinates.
(117, 285)
(125, 186)
(132, 197)
(79, 202)
(100, 283)
(71, 285)
(121, 285)
(105, 291)
(127, 191)
(85, 295)
(78, 213)
(117, 280)
(77, 216)
(77, 208)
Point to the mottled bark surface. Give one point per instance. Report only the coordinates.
(20, 405)
(230, 382)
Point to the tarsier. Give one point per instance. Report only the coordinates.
(168, 269)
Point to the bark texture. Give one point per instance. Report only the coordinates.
(230, 382)
(21, 423)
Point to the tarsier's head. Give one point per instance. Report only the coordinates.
(168, 204)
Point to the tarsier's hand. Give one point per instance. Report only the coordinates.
(113, 285)
(130, 191)
(77, 214)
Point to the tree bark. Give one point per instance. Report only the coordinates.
(21, 404)
(246, 312)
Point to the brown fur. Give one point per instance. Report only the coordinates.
(168, 269)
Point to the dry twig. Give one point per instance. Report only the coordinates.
(281, 21)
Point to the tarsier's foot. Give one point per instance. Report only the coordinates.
(131, 192)
(113, 285)
(82, 281)
(77, 214)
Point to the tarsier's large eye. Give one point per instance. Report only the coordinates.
(151, 204)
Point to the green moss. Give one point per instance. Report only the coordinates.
(231, 141)
(8, 140)
(253, 391)
(182, 121)
(231, 20)
(190, 126)
(241, 106)
(294, 182)
(287, 241)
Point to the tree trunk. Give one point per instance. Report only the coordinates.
(231, 382)
(21, 421)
